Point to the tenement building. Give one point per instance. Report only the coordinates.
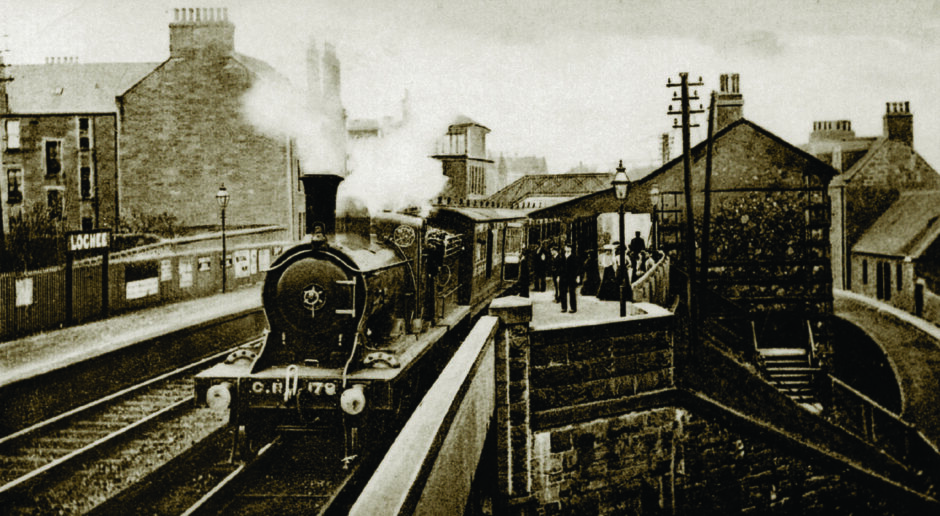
(97, 142)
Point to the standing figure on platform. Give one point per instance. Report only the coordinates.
(592, 275)
(524, 259)
(614, 275)
(540, 267)
(558, 263)
(568, 280)
(637, 246)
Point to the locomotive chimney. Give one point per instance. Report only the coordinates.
(320, 191)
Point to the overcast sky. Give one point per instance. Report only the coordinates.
(574, 81)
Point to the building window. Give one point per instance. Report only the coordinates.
(12, 134)
(887, 279)
(87, 224)
(477, 182)
(14, 186)
(54, 202)
(53, 165)
(864, 272)
(84, 182)
(899, 276)
(83, 143)
(82, 124)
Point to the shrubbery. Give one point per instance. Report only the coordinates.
(36, 240)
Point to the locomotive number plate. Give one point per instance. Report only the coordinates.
(277, 387)
(322, 388)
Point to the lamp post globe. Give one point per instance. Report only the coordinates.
(621, 186)
(222, 198)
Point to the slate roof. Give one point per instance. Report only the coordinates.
(907, 228)
(483, 214)
(890, 158)
(604, 201)
(564, 186)
(462, 120)
(61, 88)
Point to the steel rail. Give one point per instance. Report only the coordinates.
(83, 451)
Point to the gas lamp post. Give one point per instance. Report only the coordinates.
(621, 184)
(222, 197)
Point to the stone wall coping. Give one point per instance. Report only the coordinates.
(512, 309)
(646, 311)
(921, 324)
(399, 479)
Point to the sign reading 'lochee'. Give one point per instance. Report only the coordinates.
(78, 242)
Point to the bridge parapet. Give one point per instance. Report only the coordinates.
(429, 468)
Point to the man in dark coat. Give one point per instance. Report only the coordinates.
(592, 276)
(569, 277)
(637, 246)
(558, 263)
(540, 267)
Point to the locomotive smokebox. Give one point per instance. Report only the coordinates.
(320, 191)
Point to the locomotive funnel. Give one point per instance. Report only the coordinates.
(320, 191)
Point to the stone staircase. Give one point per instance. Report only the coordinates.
(792, 371)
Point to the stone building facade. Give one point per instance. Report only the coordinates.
(462, 152)
(873, 172)
(153, 138)
(58, 123)
(183, 134)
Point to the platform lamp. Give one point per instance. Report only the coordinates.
(222, 197)
(621, 184)
(654, 199)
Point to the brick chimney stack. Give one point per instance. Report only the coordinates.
(729, 104)
(899, 122)
(201, 31)
(832, 130)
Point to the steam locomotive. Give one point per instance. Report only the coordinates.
(360, 315)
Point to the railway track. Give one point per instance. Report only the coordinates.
(289, 475)
(36, 458)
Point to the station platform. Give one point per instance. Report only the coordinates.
(547, 314)
(34, 355)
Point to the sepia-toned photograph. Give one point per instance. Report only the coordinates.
(469, 257)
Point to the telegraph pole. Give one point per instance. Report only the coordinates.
(706, 210)
(686, 126)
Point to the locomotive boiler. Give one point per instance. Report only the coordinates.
(358, 316)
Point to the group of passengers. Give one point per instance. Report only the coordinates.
(599, 276)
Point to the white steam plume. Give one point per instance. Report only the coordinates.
(396, 170)
(279, 110)
(391, 172)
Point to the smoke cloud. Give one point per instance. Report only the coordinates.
(389, 172)
(395, 170)
(277, 109)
